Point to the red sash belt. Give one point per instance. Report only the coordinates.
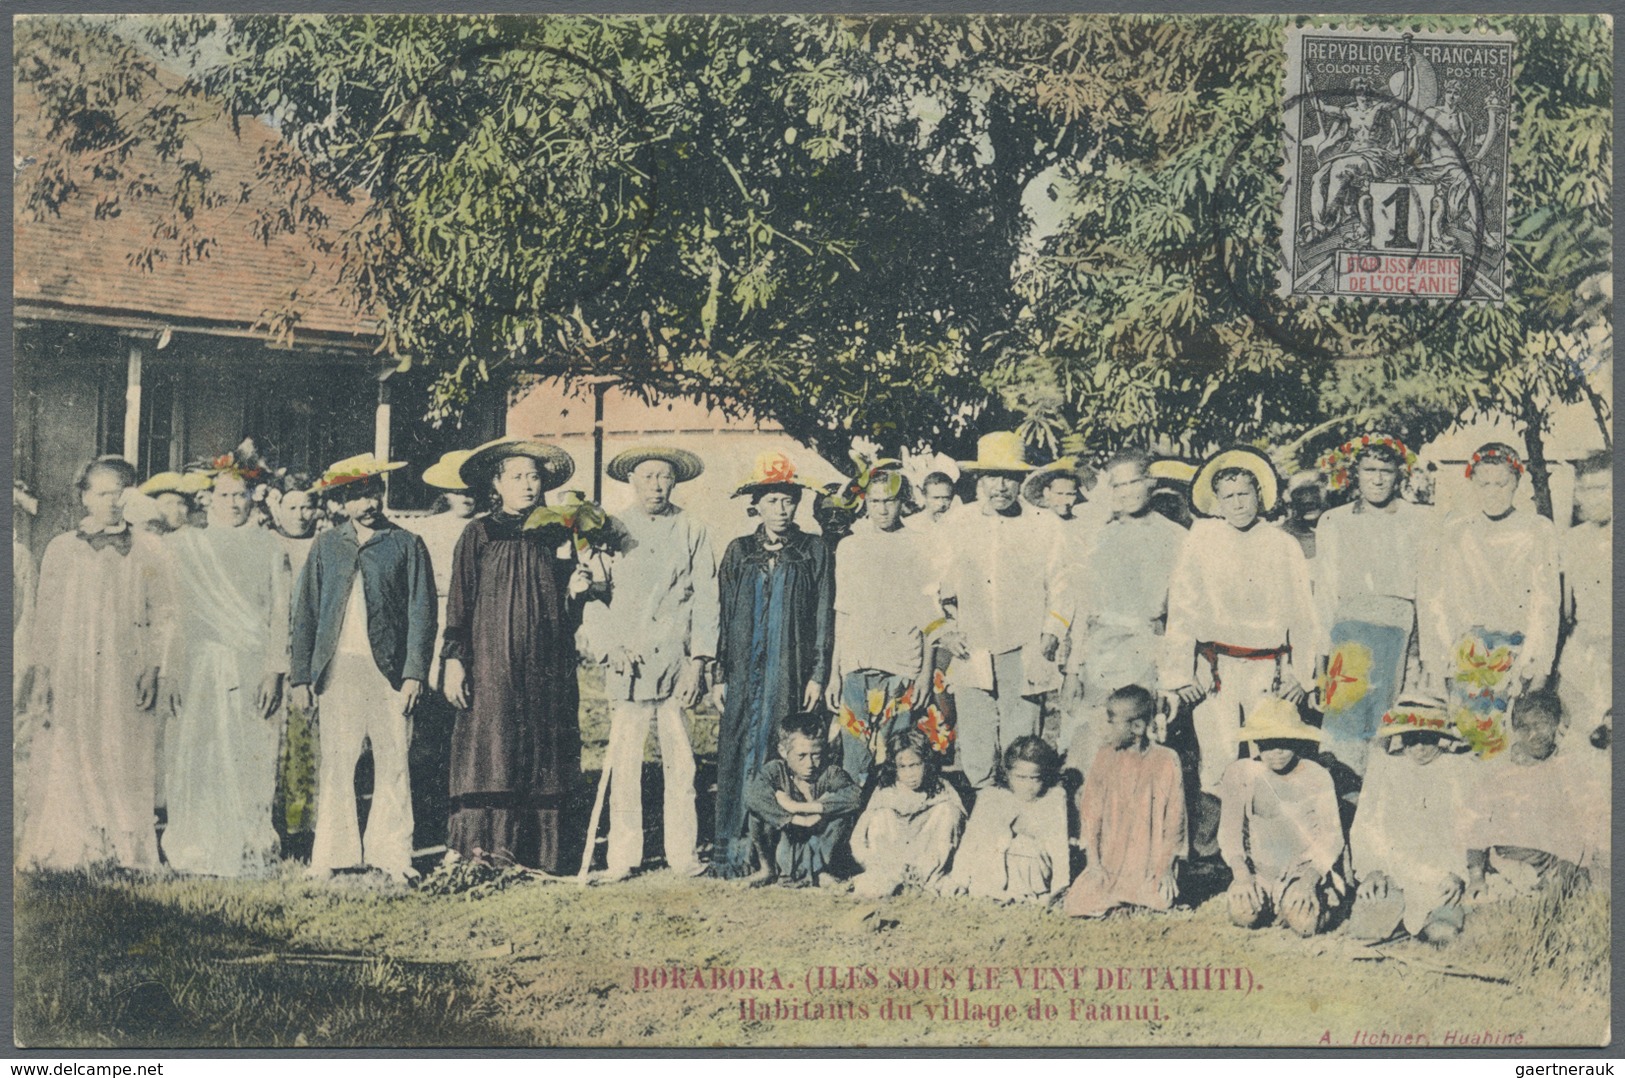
(1211, 650)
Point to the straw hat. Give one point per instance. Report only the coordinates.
(1001, 451)
(684, 465)
(773, 472)
(555, 464)
(353, 469)
(1035, 485)
(443, 472)
(175, 483)
(1275, 719)
(1171, 470)
(1206, 500)
(1421, 714)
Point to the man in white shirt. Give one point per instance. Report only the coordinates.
(882, 608)
(660, 630)
(1000, 574)
(936, 498)
(1241, 619)
(1120, 605)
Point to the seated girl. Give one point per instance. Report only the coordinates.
(908, 832)
(1015, 846)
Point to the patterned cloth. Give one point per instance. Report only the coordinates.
(874, 706)
(1364, 674)
(1483, 688)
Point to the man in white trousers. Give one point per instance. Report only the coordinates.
(363, 636)
(1001, 574)
(659, 633)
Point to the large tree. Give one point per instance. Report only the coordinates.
(810, 218)
(1153, 310)
(828, 220)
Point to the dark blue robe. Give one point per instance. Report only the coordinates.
(777, 635)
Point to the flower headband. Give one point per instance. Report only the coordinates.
(228, 464)
(1493, 455)
(1338, 463)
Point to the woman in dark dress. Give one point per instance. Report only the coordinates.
(510, 664)
(778, 594)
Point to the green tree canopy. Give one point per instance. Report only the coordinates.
(834, 221)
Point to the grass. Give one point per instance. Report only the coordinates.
(110, 962)
(104, 961)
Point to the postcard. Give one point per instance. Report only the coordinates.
(679, 531)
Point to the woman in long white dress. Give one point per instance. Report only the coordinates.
(107, 588)
(229, 655)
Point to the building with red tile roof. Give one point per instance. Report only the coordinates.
(165, 339)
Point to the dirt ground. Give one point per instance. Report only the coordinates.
(661, 961)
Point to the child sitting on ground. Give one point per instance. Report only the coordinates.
(1279, 829)
(1408, 840)
(1131, 815)
(908, 832)
(1015, 846)
(1516, 848)
(800, 810)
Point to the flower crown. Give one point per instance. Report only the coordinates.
(1340, 461)
(231, 464)
(1495, 456)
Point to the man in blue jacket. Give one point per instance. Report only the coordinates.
(363, 637)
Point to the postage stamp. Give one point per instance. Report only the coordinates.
(1396, 173)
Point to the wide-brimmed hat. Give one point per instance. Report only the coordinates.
(1275, 719)
(354, 469)
(175, 483)
(684, 465)
(1421, 714)
(1206, 500)
(773, 471)
(1035, 484)
(1001, 451)
(443, 473)
(555, 464)
(1172, 470)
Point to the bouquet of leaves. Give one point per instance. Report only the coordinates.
(582, 519)
(882, 471)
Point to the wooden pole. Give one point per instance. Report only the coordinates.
(598, 390)
(132, 407)
(592, 828)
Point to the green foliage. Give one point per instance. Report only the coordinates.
(829, 221)
(1153, 307)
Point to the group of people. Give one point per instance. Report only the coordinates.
(1113, 694)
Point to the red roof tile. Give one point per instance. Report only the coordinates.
(70, 261)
